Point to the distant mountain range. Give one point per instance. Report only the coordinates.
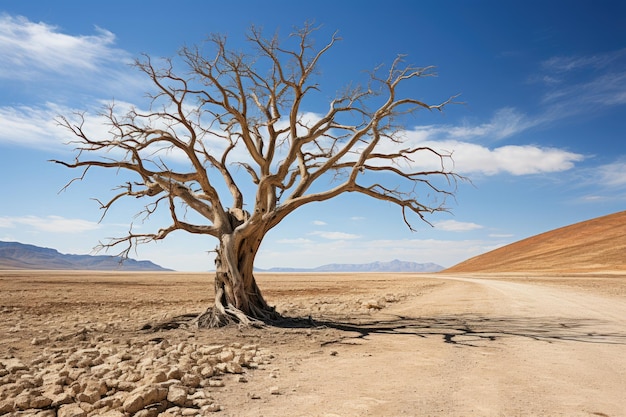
(393, 266)
(14, 255)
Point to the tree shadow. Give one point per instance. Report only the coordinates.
(475, 330)
(459, 329)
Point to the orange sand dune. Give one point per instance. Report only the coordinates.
(594, 245)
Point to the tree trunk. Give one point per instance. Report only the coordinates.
(238, 299)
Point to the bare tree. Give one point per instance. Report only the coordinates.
(252, 104)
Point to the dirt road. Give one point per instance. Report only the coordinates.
(384, 345)
(470, 347)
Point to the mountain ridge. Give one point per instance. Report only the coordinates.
(377, 266)
(16, 255)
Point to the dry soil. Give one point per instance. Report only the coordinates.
(381, 344)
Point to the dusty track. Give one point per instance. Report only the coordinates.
(432, 345)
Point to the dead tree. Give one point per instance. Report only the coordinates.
(234, 103)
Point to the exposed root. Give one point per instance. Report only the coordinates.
(220, 316)
(214, 318)
(177, 322)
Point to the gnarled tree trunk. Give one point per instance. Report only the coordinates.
(238, 299)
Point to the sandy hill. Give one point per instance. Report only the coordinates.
(593, 245)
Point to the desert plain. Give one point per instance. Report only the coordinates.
(377, 344)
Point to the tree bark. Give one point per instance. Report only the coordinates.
(238, 299)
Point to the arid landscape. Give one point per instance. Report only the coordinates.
(462, 343)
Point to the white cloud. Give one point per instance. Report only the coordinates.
(319, 223)
(335, 235)
(53, 224)
(515, 159)
(456, 226)
(29, 48)
(473, 158)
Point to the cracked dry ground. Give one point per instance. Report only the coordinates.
(83, 344)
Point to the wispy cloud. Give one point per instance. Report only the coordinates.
(504, 123)
(562, 64)
(297, 241)
(582, 84)
(610, 175)
(31, 126)
(335, 235)
(319, 223)
(60, 67)
(30, 48)
(456, 226)
(53, 224)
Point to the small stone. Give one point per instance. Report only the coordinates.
(143, 396)
(233, 368)
(71, 410)
(216, 383)
(159, 377)
(227, 356)
(13, 365)
(274, 391)
(146, 413)
(54, 389)
(60, 399)
(6, 407)
(210, 350)
(174, 373)
(191, 380)
(88, 396)
(177, 395)
(211, 408)
(126, 386)
(40, 402)
(22, 401)
(207, 371)
(254, 396)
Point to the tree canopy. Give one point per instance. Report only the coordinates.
(234, 121)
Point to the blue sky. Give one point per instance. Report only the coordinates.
(541, 133)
